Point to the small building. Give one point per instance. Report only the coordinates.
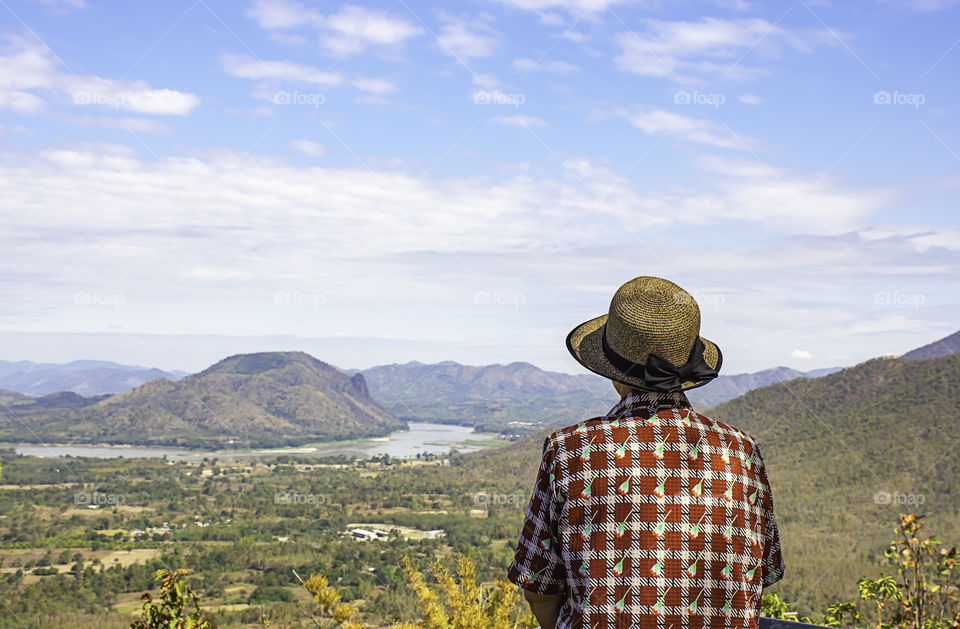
(367, 534)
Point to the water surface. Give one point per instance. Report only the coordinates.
(422, 438)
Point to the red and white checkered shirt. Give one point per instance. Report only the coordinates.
(651, 516)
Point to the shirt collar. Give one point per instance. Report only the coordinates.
(649, 401)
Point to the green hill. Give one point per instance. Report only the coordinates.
(248, 400)
(942, 347)
(846, 453)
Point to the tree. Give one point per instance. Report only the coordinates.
(929, 582)
(925, 596)
(171, 612)
(327, 611)
(464, 604)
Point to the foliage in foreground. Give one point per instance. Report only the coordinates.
(460, 604)
(923, 595)
(173, 611)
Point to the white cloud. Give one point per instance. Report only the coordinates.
(228, 231)
(21, 102)
(923, 5)
(352, 30)
(273, 73)
(782, 199)
(279, 14)
(888, 323)
(63, 5)
(143, 125)
(468, 39)
(549, 18)
(575, 36)
(129, 95)
(86, 190)
(684, 51)
(557, 67)
(801, 354)
(750, 99)
(356, 27)
(922, 237)
(247, 67)
(486, 81)
(374, 86)
(29, 66)
(578, 7)
(734, 5)
(655, 121)
(307, 147)
(519, 120)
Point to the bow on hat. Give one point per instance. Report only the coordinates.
(659, 373)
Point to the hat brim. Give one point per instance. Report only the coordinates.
(585, 343)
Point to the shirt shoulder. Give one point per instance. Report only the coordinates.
(558, 437)
(729, 430)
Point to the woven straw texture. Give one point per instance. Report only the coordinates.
(647, 315)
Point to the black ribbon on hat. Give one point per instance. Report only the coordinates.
(659, 373)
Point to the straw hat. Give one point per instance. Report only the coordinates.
(649, 340)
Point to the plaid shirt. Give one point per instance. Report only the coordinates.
(651, 516)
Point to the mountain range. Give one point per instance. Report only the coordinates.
(436, 384)
(248, 400)
(498, 398)
(492, 396)
(278, 398)
(86, 377)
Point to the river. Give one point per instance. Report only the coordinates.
(422, 438)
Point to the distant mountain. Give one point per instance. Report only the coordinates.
(490, 396)
(823, 371)
(248, 400)
(845, 453)
(450, 381)
(86, 377)
(946, 345)
(725, 387)
(60, 400)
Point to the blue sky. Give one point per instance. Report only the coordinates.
(391, 181)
